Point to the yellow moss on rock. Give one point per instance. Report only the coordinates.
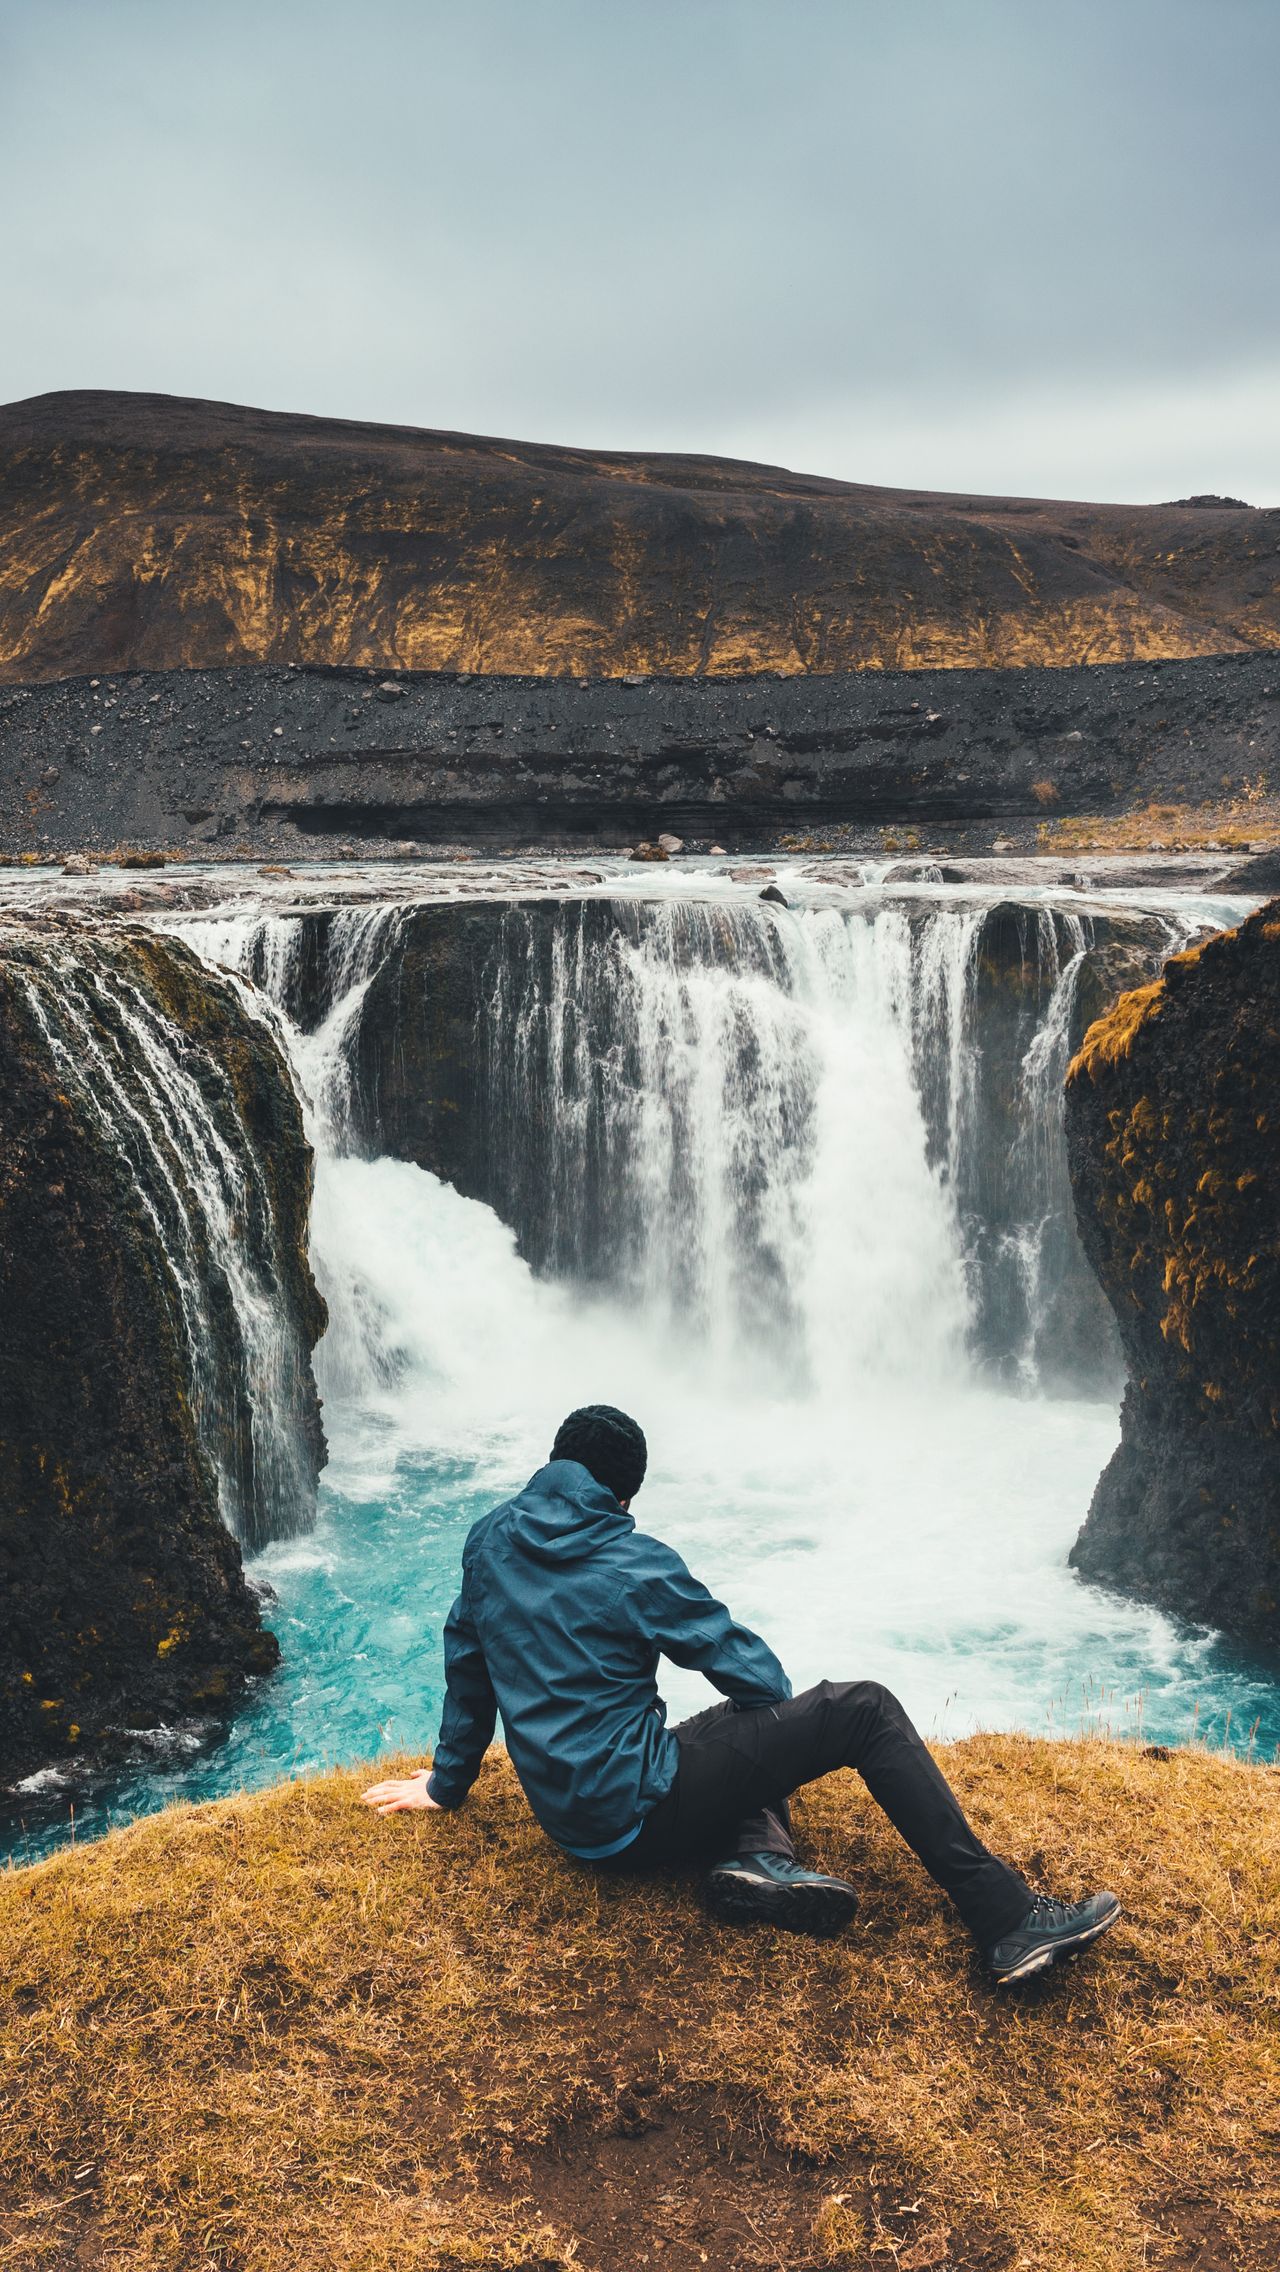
(1111, 1037)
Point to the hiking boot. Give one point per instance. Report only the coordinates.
(771, 1889)
(1049, 1930)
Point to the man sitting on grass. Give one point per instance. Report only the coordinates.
(564, 1612)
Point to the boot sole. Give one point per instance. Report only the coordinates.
(821, 1910)
(1039, 1960)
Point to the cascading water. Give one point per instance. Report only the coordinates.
(314, 996)
(675, 1102)
(819, 1145)
(313, 980)
(169, 1108)
(788, 1182)
(1042, 1245)
(767, 1132)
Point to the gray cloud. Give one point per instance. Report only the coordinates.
(997, 243)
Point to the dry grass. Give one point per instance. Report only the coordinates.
(1111, 1037)
(279, 2033)
(1236, 824)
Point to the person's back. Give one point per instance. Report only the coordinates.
(564, 1611)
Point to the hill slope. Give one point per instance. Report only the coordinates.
(275, 2033)
(151, 532)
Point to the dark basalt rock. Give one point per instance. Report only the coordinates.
(1174, 1145)
(123, 1602)
(310, 763)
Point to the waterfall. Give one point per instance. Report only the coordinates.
(312, 973)
(787, 1181)
(817, 1143)
(714, 1113)
(167, 1105)
(1042, 1244)
(309, 976)
(809, 1147)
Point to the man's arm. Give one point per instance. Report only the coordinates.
(470, 1710)
(466, 1727)
(691, 1627)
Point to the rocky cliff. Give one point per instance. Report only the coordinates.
(154, 1183)
(149, 532)
(1174, 1143)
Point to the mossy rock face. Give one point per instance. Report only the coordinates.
(1173, 1118)
(123, 1601)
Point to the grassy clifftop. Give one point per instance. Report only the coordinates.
(275, 2032)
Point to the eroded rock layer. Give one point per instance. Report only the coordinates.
(151, 532)
(1173, 1114)
(306, 760)
(154, 1184)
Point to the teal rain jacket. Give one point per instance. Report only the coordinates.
(564, 1612)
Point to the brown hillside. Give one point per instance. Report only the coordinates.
(276, 2035)
(150, 532)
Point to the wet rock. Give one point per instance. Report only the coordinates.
(1260, 874)
(1010, 1173)
(1174, 1148)
(122, 1594)
(775, 897)
(918, 872)
(671, 844)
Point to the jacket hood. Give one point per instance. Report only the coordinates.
(563, 1514)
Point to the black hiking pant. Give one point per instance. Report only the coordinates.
(737, 1770)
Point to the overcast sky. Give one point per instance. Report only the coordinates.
(1009, 245)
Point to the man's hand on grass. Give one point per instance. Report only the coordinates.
(394, 1797)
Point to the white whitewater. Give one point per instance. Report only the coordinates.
(732, 1097)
